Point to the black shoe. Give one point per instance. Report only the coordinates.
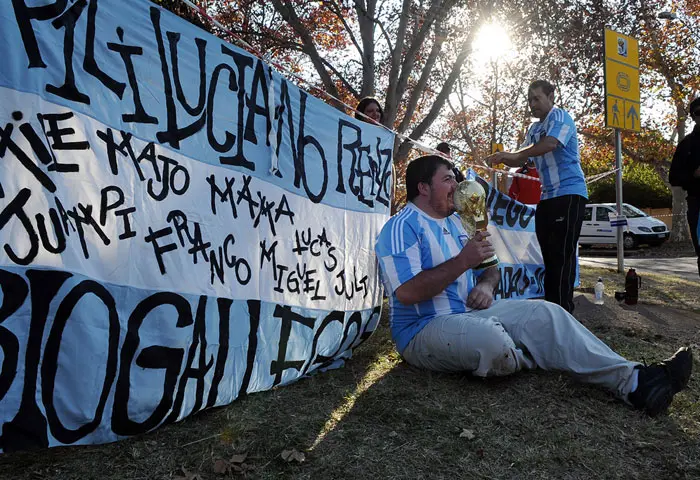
(659, 382)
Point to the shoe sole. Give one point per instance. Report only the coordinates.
(683, 357)
(659, 402)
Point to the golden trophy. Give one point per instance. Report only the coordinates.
(470, 203)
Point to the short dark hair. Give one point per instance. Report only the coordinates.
(694, 105)
(459, 176)
(443, 147)
(364, 103)
(421, 170)
(546, 87)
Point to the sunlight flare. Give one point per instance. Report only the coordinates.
(491, 44)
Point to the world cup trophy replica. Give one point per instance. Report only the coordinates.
(470, 203)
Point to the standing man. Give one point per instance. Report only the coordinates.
(441, 320)
(444, 147)
(552, 144)
(685, 172)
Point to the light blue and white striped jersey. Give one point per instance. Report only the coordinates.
(410, 242)
(560, 170)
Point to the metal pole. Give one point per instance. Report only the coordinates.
(494, 65)
(618, 196)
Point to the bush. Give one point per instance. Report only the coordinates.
(641, 186)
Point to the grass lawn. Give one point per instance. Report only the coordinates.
(380, 418)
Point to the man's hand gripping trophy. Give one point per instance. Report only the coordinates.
(470, 203)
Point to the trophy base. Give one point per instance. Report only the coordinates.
(489, 262)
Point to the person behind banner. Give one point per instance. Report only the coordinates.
(444, 147)
(369, 110)
(524, 190)
(685, 173)
(552, 144)
(441, 320)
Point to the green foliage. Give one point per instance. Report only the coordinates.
(641, 186)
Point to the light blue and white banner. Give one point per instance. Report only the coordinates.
(512, 229)
(179, 225)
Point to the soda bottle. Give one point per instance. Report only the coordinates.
(632, 284)
(599, 290)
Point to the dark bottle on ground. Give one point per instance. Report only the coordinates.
(632, 284)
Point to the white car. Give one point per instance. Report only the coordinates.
(640, 228)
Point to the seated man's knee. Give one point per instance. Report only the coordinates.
(546, 313)
(497, 357)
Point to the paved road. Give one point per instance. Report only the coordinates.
(684, 267)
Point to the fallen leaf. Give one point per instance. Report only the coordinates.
(293, 455)
(221, 466)
(233, 465)
(468, 434)
(239, 458)
(188, 475)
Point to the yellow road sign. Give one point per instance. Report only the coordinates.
(621, 81)
(621, 48)
(622, 114)
(496, 147)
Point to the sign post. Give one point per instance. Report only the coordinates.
(621, 107)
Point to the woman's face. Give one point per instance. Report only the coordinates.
(373, 112)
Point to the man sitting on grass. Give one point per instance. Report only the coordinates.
(441, 322)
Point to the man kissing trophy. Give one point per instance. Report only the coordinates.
(470, 203)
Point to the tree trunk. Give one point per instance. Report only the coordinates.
(679, 231)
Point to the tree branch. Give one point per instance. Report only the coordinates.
(464, 130)
(335, 8)
(309, 48)
(365, 20)
(340, 76)
(421, 128)
(419, 88)
(391, 104)
(385, 34)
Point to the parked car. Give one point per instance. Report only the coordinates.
(640, 228)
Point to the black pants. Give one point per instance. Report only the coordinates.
(693, 213)
(558, 225)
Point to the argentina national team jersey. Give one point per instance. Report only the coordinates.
(409, 243)
(560, 170)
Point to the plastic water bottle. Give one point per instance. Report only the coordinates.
(599, 290)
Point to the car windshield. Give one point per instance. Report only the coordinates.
(632, 212)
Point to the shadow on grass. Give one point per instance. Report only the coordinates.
(262, 424)
(417, 424)
(380, 418)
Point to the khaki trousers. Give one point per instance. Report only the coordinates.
(512, 335)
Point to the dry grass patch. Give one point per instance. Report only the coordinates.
(379, 418)
(657, 289)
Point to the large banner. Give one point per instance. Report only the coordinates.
(512, 229)
(179, 224)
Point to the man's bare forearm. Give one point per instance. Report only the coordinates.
(430, 283)
(546, 145)
(491, 276)
(515, 159)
